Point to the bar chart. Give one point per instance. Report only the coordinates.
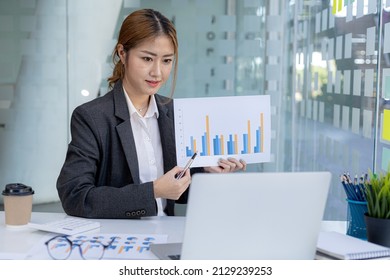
(227, 144)
(222, 127)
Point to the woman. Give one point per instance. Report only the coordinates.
(121, 162)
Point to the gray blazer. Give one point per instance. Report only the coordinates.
(100, 176)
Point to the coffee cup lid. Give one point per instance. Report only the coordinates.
(17, 189)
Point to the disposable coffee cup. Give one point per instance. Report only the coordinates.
(17, 204)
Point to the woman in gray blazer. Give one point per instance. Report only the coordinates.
(121, 161)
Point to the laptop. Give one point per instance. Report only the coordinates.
(250, 216)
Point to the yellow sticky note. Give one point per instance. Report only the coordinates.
(340, 5)
(386, 125)
(334, 8)
(337, 6)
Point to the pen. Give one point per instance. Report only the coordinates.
(188, 165)
(355, 190)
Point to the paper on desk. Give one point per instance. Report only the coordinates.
(342, 246)
(125, 246)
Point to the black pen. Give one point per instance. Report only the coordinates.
(188, 165)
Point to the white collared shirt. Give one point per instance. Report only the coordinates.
(148, 144)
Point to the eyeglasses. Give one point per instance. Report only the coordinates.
(60, 247)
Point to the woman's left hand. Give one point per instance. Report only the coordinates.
(227, 165)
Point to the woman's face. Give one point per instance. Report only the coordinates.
(147, 66)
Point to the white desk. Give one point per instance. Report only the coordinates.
(17, 242)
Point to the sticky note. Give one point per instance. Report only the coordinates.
(337, 6)
(334, 9)
(386, 124)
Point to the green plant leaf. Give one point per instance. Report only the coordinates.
(377, 193)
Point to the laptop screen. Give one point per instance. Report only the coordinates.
(255, 215)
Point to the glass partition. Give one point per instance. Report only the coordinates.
(337, 117)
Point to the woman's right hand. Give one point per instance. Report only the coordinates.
(167, 186)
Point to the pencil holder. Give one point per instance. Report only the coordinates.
(356, 225)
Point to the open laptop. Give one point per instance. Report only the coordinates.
(251, 216)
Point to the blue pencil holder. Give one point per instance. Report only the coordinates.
(356, 225)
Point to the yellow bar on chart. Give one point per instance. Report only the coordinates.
(386, 124)
(222, 145)
(208, 135)
(194, 145)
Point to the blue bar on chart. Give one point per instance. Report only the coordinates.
(232, 149)
(245, 142)
(217, 146)
(257, 148)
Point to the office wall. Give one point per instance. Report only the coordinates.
(48, 54)
(324, 68)
(33, 84)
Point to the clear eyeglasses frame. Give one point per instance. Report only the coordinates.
(60, 248)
